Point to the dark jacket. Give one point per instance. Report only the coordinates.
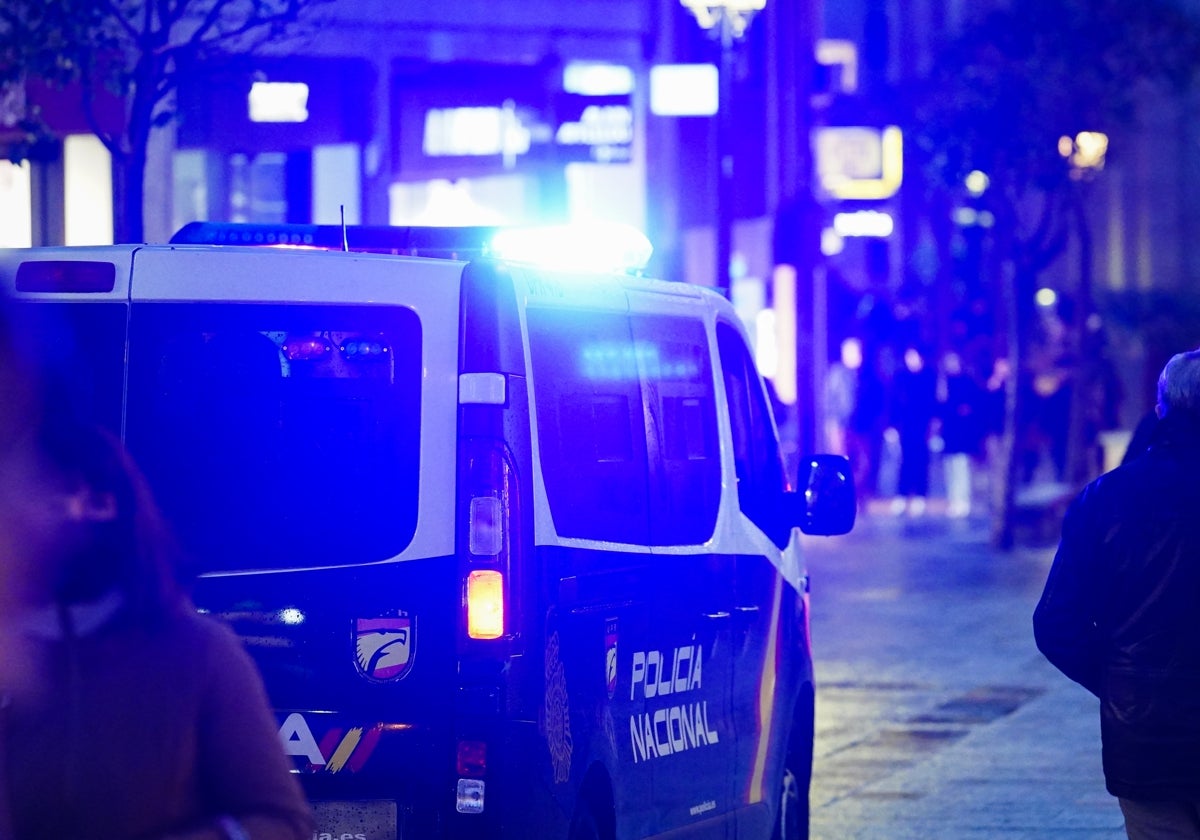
(1120, 613)
(961, 412)
(144, 733)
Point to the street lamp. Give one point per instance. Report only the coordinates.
(725, 20)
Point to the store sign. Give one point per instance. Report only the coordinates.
(475, 132)
(278, 102)
(274, 104)
(589, 128)
(598, 129)
(859, 162)
(684, 90)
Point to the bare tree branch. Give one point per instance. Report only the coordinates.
(118, 17)
(134, 48)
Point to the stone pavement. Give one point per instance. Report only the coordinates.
(937, 718)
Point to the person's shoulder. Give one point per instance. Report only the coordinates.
(190, 625)
(1138, 480)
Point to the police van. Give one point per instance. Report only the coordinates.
(512, 545)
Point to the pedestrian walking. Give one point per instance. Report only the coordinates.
(865, 426)
(960, 412)
(841, 395)
(914, 403)
(1119, 614)
(131, 716)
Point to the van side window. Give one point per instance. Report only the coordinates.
(760, 478)
(591, 436)
(685, 475)
(626, 426)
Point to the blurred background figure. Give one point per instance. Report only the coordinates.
(961, 414)
(914, 404)
(864, 430)
(841, 395)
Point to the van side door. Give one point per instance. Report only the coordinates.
(692, 621)
(592, 457)
(771, 648)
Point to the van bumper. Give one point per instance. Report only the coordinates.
(410, 788)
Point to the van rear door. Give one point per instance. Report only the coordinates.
(72, 310)
(296, 413)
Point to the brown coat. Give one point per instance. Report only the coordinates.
(147, 733)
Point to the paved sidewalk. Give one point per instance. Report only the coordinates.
(937, 718)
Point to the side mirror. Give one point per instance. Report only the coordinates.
(826, 501)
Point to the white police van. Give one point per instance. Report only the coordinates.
(512, 546)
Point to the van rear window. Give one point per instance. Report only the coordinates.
(278, 437)
(80, 346)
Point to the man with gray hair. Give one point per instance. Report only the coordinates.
(1120, 614)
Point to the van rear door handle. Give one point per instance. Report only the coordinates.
(749, 609)
(720, 615)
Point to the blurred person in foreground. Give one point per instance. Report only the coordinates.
(1120, 614)
(17, 399)
(131, 715)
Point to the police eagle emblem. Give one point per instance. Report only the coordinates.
(610, 657)
(384, 647)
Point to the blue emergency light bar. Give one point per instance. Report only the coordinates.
(598, 247)
(445, 242)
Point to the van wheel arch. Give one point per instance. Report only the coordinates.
(792, 806)
(595, 814)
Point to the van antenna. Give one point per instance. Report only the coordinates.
(345, 243)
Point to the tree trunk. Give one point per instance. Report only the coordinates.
(129, 177)
(129, 196)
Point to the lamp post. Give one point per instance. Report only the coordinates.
(726, 21)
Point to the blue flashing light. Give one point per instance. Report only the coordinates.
(595, 247)
(365, 349)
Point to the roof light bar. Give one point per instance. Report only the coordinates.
(592, 246)
(597, 247)
(448, 242)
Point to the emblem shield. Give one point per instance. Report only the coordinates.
(610, 657)
(384, 647)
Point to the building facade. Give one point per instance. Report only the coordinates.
(498, 112)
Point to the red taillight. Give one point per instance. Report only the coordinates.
(309, 348)
(487, 505)
(66, 276)
(485, 604)
(472, 759)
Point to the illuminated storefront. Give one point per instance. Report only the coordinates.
(60, 191)
(272, 141)
(316, 139)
